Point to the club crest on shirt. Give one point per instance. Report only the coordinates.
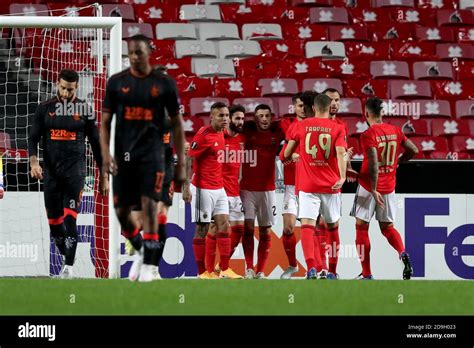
(155, 91)
(194, 145)
(125, 90)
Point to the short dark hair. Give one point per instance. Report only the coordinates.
(69, 75)
(218, 105)
(296, 96)
(141, 38)
(307, 97)
(332, 90)
(322, 102)
(236, 108)
(374, 105)
(263, 107)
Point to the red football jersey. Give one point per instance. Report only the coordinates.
(344, 124)
(317, 139)
(387, 139)
(289, 170)
(234, 156)
(207, 149)
(260, 175)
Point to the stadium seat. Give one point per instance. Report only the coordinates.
(429, 144)
(191, 125)
(319, 85)
(229, 49)
(251, 103)
(176, 31)
(464, 108)
(463, 143)
(436, 4)
(155, 13)
(331, 15)
(348, 33)
(391, 3)
(453, 90)
(441, 155)
(204, 67)
(308, 32)
(162, 49)
(242, 14)
(356, 125)
(369, 16)
(195, 48)
(282, 48)
(396, 32)
(410, 127)
(258, 67)
(216, 2)
(325, 49)
(311, 2)
(409, 89)
(350, 107)
(105, 49)
(346, 69)
(454, 17)
(278, 87)
(236, 87)
(424, 17)
(218, 31)
(465, 34)
(19, 9)
(434, 34)
(200, 13)
(131, 29)
(69, 10)
(450, 127)
(363, 88)
(261, 31)
(202, 106)
(447, 51)
(466, 5)
(285, 107)
(414, 51)
(464, 70)
(367, 50)
(389, 70)
(433, 108)
(175, 67)
(432, 70)
(193, 86)
(119, 10)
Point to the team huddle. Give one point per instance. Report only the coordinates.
(228, 176)
(314, 151)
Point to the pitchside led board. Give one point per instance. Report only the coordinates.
(438, 231)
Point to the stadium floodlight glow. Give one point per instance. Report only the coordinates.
(38, 47)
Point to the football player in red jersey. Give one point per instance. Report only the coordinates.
(290, 201)
(207, 194)
(321, 147)
(381, 144)
(258, 187)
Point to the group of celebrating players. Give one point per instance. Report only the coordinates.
(228, 175)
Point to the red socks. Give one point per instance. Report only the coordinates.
(320, 237)
(210, 259)
(263, 251)
(289, 243)
(199, 252)
(235, 236)
(333, 240)
(394, 239)
(363, 247)
(248, 245)
(310, 249)
(223, 244)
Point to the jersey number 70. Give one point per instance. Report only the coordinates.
(389, 151)
(324, 141)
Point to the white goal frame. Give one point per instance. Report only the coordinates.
(114, 24)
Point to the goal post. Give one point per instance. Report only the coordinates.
(45, 63)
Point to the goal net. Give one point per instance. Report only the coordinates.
(33, 50)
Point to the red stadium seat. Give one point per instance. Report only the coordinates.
(437, 4)
(413, 51)
(325, 49)
(309, 32)
(434, 34)
(453, 90)
(155, 13)
(251, 103)
(363, 88)
(119, 10)
(429, 144)
(369, 15)
(192, 125)
(464, 108)
(300, 68)
(392, 3)
(328, 15)
(241, 14)
(350, 107)
(278, 87)
(433, 108)
(131, 29)
(409, 127)
(236, 88)
(162, 49)
(67, 9)
(389, 70)
(176, 67)
(462, 143)
(268, 3)
(202, 106)
(282, 48)
(447, 51)
(367, 51)
(425, 17)
(409, 89)
(454, 17)
(346, 69)
(316, 3)
(261, 31)
(285, 107)
(464, 70)
(319, 85)
(192, 86)
(257, 67)
(433, 70)
(19, 9)
(356, 125)
(348, 33)
(465, 34)
(450, 127)
(392, 31)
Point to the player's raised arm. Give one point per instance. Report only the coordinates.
(410, 150)
(34, 138)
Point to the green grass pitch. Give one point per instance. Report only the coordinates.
(234, 297)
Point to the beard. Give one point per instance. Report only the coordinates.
(234, 128)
